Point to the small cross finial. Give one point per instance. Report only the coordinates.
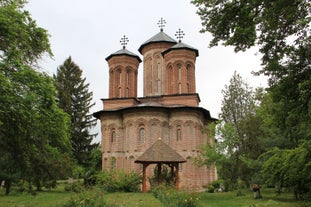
(179, 35)
(124, 40)
(161, 24)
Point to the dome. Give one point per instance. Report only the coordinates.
(181, 45)
(123, 51)
(160, 37)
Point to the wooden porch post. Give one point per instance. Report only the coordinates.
(144, 178)
(159, 173)
(177, 176)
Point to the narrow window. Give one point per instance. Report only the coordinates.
(179, 88)
(178, 134)
(120, 92)
(142, 135)
(120, 78)
(179, 71)
(127, 78)
(159, 70)
(188, 72)
(159, 87)
(113, 136)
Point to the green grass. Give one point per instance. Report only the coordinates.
(133, 199)
(58, 196)
(42, 199)
(270, 199)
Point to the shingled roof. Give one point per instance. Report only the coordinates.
(123, 51)
(160, 152)
(159, 37)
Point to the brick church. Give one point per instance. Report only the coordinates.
(169, 108)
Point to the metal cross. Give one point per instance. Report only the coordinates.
(124, 40)
(161, 24)
(179, 35)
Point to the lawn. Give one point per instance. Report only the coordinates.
(270, 199)
(57, 197)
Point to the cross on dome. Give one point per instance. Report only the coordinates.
(179, 34)
(124, 40)
(161, 24)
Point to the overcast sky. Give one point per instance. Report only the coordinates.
(89, 31)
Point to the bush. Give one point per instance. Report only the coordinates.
(87, 200)
(210, 188)
(76, 187)
(119, 181)
(170, 197)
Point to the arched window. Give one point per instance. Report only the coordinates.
(120, 77)
(159, 70)
(179, 71)
(188, 71)
(178, 134)
(142, 135)
(127, 77)
(113, 135)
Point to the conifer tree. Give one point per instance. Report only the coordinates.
(75, 99)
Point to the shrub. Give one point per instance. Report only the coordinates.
(119, 181)
(87, 200)
(170, 197)
(168, 177)
(76, 187)
(210, 188)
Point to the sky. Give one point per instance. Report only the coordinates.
(89, 31)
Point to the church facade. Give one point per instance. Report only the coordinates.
(169, 109)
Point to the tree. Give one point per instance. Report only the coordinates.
(282, 31)
(238, 131)
(34, 140)
(289, 168)
(34, 143)
(21, 40)
(75, 99)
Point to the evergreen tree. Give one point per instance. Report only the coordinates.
(75, 99)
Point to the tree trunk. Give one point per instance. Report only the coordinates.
(7, 185)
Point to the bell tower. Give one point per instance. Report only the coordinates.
(155, 76)
(123, 72)
(180, 67)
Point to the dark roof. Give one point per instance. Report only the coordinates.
(179, 46)
(160, 152)
(123, 51)
(150, 105)
(160, 37)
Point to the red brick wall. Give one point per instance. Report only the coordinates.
(157, 123)
(123, 76)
